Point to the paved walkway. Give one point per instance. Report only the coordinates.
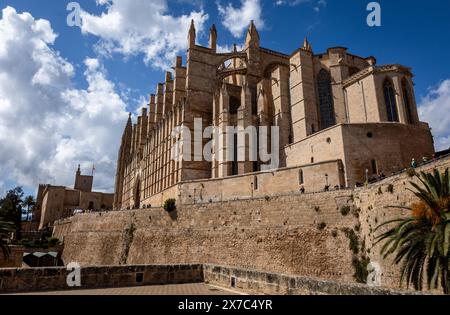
(177, 289)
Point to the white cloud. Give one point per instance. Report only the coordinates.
(317, 5)
(47, 126)
(434, 108)
(229, 48)
(2, 189)
(237, 19)
(142, 27)
(291, 2)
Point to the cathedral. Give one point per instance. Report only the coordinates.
(342, 119)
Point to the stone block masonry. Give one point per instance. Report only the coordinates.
(41, 280)
(258, 282)
(291, 234)
(51, 279)
(14, 259)
(305, 235)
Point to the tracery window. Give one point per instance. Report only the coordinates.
(327, 116)
(391, 103)
(407, 101)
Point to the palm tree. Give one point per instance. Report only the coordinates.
(29, 202)
(421, 240)
(6, 228)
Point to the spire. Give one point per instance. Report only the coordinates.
(192, 35)
(252, 36)
(307, 45)
(128, 126)
(213, 38)
(79, 169)
(129, 122)
(168, 77)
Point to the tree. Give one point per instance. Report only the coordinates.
(11, 208)
(29, 202)
(6, 228)
(421, 240)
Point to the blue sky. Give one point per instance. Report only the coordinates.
(120, 63)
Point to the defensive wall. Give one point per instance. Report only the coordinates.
(328, 235)
(239, 280)
(313, 177)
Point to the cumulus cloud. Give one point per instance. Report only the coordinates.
(434, 108)
(237, 19)
(141, 27)
(47, 126)
(2, 189)
(316, 4)
(229, 48)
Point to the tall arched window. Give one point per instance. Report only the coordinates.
(327, 117)
(407, 101)
(391, 103)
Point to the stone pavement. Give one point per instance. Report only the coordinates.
(177, 289)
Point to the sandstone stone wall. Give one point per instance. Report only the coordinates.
(244, 280)
(305, 235)
(14, 259)
(375, 203)
(292, 234)
(259, 282)
(391, 146)
(259, 184)
(53, 279)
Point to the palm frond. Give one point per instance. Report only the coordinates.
(421, 243)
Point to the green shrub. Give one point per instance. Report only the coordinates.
(170, 205)
(353, 241)
(53, 241)
(390, 189)
(345, 210)
(321, 226)
(49, 242)
(361, 272)
(355, 212)
(411, 172)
